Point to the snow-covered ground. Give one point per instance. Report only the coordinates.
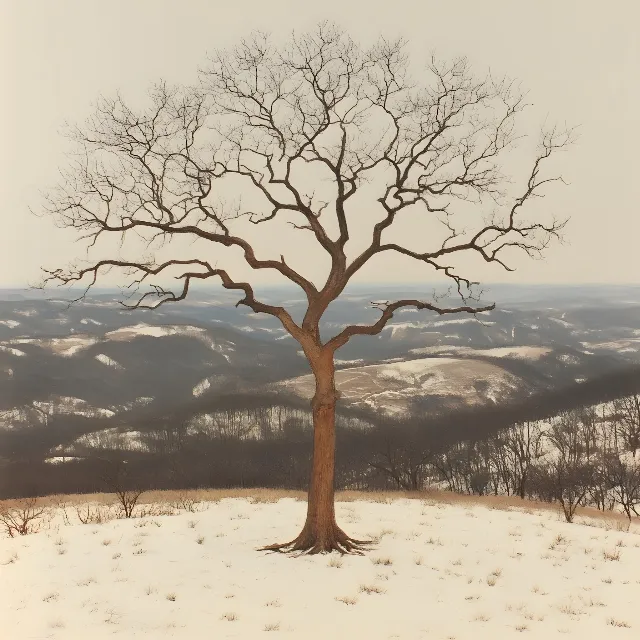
(389, 387)
(439, 571)
(521, 352)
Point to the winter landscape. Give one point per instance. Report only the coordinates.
(319, 322)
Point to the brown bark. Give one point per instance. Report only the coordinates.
(321, 533)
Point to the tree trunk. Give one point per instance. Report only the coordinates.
(321, 533)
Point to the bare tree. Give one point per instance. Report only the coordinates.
(565, 481)
(119, 481)
(282, 123)
(624, 480)
(627, 412)
(22, 518)
(523, 448)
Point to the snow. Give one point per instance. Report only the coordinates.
(12, 324)
(522, 352)
(71, 406)
(201, 387)
(564, 323)
(392, 386)
(400, 326)
(569, 359)
(101, 357)
(441, 323)
(11, 350)
(439, 571)
(142, 329)
(67, 346)
(105, 439)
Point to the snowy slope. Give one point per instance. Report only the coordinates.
(438, 571)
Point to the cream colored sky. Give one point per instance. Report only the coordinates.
(578, 58)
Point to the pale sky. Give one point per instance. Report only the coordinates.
(579, 59)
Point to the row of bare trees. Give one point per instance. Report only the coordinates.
(582, 457)
(579, 457)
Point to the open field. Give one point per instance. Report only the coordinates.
(443, 566)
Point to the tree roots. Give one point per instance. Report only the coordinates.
(310, 543)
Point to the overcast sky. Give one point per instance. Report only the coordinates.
(579, 59)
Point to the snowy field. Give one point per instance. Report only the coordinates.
(391, 386)
(440, 570)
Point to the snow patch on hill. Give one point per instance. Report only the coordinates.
(101, 357)
(61, 459)
(157, 331)
(201, 387)
(390, 387)
(66, 405)
(522, 352)
(90, 321)
(67, 346)
(12, 351)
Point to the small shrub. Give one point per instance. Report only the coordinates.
(229, 616)
(23, 519)
(612, 556)
(371, 588)
(185, 503)
(88, 514)
(618, 623)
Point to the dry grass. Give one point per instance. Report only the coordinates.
(229, 616)
(273, 603)
(612, 556)
(492, 578)
(618, 623)
(151, 501)
(371, 588)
